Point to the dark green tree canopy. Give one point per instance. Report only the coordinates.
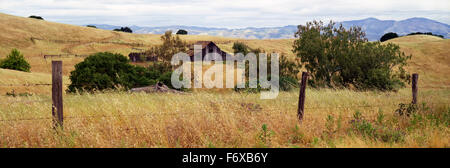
(336, 57)
(239, 47)
(182, 32)
(388, 36)
(124, 29)
(36, 17)
(92, 26)
(107, 71)
(426, 33)
(15, 61)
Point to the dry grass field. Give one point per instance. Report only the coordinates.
(210, 118)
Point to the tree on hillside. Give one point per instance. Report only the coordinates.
(171, 45)
(91, 26)
(336, 57)
(239, 47)
(15, 61)
(36, 17)
(388, 36)
(427, 33)
(182, 32)
(287, 73)
(124, 29)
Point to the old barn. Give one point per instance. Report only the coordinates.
(208, 50)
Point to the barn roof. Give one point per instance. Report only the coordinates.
(202, 43)
(190, 52)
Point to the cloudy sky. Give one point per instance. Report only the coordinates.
(223, 13)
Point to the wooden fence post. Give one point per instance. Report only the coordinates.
(57, 97)
(415, 78)
(301, 98)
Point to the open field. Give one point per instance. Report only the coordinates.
(430, 58)
(210, 118)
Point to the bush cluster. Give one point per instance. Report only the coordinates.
(427, 33)
(124, 29)
(336, 57)
(388, 36)
(182, 32)
(105, 70)
(392, 35)
(91, 26)
(15, 61)
(36, 17)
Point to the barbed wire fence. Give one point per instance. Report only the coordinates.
(56, 121)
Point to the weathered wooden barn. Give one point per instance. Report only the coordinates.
(208, 50)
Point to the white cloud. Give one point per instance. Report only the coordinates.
(223, 13)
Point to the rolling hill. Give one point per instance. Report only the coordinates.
(430, 58)
(36, 38)
(373, 27)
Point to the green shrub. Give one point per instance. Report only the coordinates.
(91, 26)
(36, 17)
(388, 36)
(166, 79)
(105, 70)
(426, 33)
(182, 32)
(336, 57)
(406, 109)
(375, 131)
(239, 47)
(15, 61)
(161, 72)
(264, 137)
(124, 29)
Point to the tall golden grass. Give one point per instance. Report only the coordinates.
(211, 119)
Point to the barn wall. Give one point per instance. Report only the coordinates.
(215, 49)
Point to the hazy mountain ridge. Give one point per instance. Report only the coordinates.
(373, 27)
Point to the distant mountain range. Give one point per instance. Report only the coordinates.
(373, 27)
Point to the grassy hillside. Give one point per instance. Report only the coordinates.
(36, 38)
(430, 58)
(14, 80)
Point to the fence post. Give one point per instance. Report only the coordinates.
(301, 98)
(415, 78)
(57, 97)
